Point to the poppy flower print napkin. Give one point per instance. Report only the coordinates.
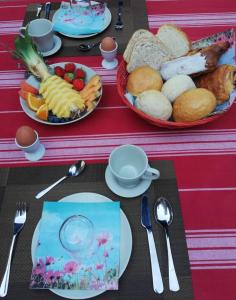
(78, 247)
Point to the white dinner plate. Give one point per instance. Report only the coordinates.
(107, 15)
(34, 82)
(125, 243)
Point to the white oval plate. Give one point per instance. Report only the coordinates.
(83, 36)
(34, 82)
(125, 243)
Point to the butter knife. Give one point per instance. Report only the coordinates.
(47, 10)
(156, 272)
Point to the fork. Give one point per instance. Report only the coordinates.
(19, 221)
(119, 24)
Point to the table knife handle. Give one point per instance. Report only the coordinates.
(42, 193)
(156, 272)
(5, 280)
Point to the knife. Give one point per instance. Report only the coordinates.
(47, 10)
(146, 222)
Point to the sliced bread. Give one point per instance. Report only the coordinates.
(174, 39)
(141, 33)
(148, 51)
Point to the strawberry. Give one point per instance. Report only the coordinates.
(69, 67)
(78, 84)
(59, 71)
(80, 73)
(69, 77)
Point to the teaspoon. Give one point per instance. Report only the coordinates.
(73, 171)
(87, 47)
(164, 215)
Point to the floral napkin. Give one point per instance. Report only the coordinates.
(78, 246)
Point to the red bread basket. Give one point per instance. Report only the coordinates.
(122, 75)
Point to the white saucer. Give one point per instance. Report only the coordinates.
(109, 65)
(125, 192)
(57, 46)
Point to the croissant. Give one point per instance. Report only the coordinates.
(220, 82)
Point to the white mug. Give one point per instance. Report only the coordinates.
(41, 32)
(129, 165)
(33, 152)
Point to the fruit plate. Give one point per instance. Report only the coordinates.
(34, 82)
(226, 58)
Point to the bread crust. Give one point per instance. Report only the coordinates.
(142, 79)
(193, 105)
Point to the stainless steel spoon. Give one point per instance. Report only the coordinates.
(74, 170)
(164, 215)
(39, 9)
(87, 47)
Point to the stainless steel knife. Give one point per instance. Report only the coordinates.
(146, 222)
(47, 9)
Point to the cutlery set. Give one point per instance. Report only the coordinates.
(164, 215)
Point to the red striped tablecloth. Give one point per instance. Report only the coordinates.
(204, 157)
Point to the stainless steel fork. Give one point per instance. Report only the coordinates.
(119, 23)
(19, 222)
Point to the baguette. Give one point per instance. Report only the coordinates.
(141, 33)
(174, 39)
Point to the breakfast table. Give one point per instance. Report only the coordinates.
(202, 157)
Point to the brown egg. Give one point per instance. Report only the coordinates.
(25, 136)
(108, 44)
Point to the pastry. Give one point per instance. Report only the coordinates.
(205, 60)
(142, 79)
(155, 104)
(193, 105)
(175, 86)
(174, 39)
(220, 82)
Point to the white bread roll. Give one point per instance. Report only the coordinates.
(148, 51)
(155, 104)
(175, 86)
(193, 105)
(174, 39)
(142, 79)
(141, 33)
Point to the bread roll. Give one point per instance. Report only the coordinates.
(142, 79)
(174, 39)
(155, 104)
(193, 105)
(175, 86)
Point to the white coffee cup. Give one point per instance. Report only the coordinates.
(33, 152)
(41, 32)
(129, 165)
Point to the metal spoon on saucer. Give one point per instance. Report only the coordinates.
(73, 171)
(164, 215)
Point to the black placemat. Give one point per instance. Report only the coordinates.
(134, 17)
(20, 184)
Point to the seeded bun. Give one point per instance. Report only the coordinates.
(142, 79)
(193, 105)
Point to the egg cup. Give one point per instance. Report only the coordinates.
(109, 58)
(33, 152)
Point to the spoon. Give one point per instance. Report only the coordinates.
(87, 47)
(39, 8)
(73, 171)
(164, 215)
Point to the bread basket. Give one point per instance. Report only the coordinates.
(122, 75)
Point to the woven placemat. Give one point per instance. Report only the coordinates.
(20, 184)
(134, 17)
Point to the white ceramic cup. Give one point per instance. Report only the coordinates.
(129, 165)
(109, 57)
(33, 152)
(41, 32)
